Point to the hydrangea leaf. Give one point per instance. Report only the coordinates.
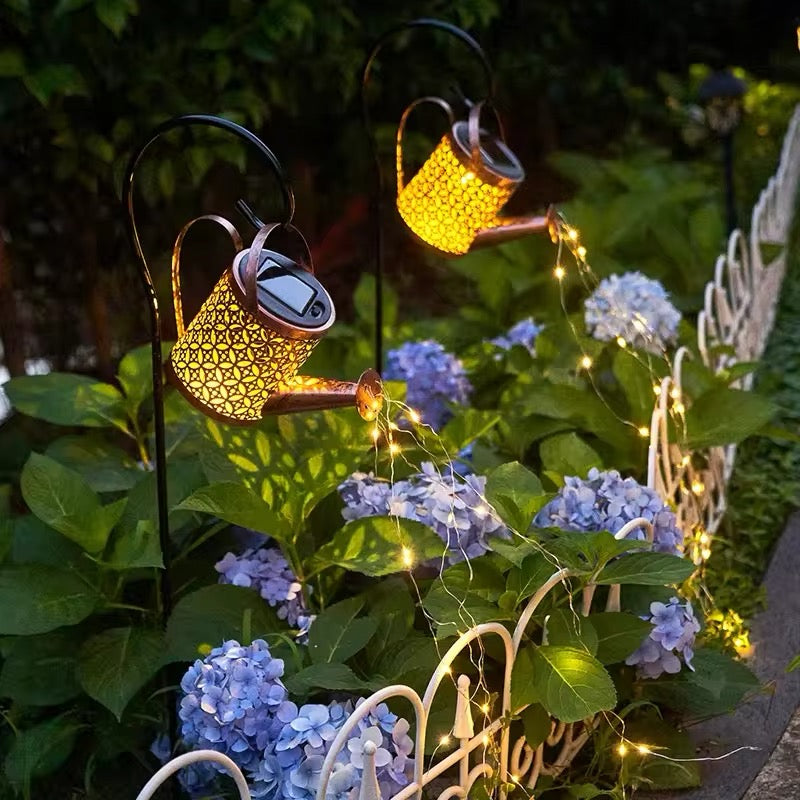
(618, 635)
(40, 670)
(515, 550)
(536, 722)
(37, 599)
(378, 546)
(115, 664)
(466, 426)
(516, 493)
(140, 547)
(67, 399)
(636, 381)
(237, 504)
(323, 676)
(205, 618)
(567, 627)
(61, 497)
(532, 572)
(104, 467)
(391, 603)
(726, 416)
(647, 569)
(568, 454)
(569, 683)
(39, 751)
(339, 633)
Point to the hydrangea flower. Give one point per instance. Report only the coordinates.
(452, 505)
(195, 779)
(634, 307)
(434, 379)
(231, 699)
(522, 333)
(674, 629)
(606, 501)
(268, 572)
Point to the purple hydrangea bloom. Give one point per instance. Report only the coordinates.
(606, 501)
(268, 572)
(634, 307)
(452, 505)
(434, 378)
(231, 699)
(523, 333)
(674, 629)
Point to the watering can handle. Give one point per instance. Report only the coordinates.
(402, 127)
(176, 262)
(474, 129)
(250, 277)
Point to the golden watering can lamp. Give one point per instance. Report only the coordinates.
(453, 201)
(238, 358)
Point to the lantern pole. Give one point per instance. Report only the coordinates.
(186, 120)
(377, 205)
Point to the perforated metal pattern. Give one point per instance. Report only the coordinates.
(446, 203)
(229, 363)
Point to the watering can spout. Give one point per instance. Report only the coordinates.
(505, 229)
(304, 393)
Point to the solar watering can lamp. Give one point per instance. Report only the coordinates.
(238, 359)
(453, 202)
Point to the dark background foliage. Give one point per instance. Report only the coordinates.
(82, 80)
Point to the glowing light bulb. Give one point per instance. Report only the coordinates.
(705, 553)
(444, 740)
(485, 708)
(679, 408)
(414, 416)
(704, 538)
(448, 670)
(467, 177)
(644, 431)
(643, 749)
(573, 234)
(685, 461)
(656, 390)
(622, 748)
(376, 434)
(581, 252)
(585, 362)
(675, 393)
(408, 557)
(514, 778)
(485, 741)
(698, 487)
(621, 342)
(559, 272)
(394, 448)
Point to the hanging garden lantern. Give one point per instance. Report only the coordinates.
(453, 201)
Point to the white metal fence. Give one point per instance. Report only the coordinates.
(739, 309)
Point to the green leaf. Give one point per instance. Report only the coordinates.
(566, 627)
(726, 416)
(514, 550)
(39, 751)
(37, 543)
(568, 454)
(568, 682)
(338, 633)
(618, 635)
(466, 426)
(135, 374)
(647, 569)
(636, 381)
(115, 664)
(323, 676)
(587, 551)
(516, 493)
(40, 670)
(716, 686)
(38, 599)
(536, 723)
(55, 79)
(207, 617)
(114, 13)
(392, 605)
(532, 572)
(378, 546)
(65, 6)
(139, 547)
(237, 504)
(66, 399)
(60, 497)
(104, 467)
(12, 63)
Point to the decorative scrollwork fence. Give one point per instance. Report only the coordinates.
(733, 326)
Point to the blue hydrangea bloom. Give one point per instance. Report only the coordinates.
(268, 572)
(523, 333)
(434, 378)
(674, 629)
(605, 501)
(634, 307)
(196, 779)
(230, 701)
(452, 505)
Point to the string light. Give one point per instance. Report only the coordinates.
(644, 431)
(622, 748)
(643, 749)
(698, 487)
(656, 390)
(408, 557)
(679, 408)
(675, 393)
(394, 448)
(485, 708)
(572, 234)
(414, 416)
(581, 252)
(376, 434)
(559, 272)
(585, 362)
(621, 342)
(444, 740)
(485, 741)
